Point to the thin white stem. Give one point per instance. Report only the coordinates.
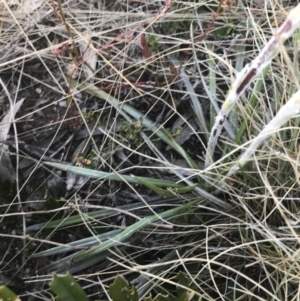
(290, 110)
(248, 74)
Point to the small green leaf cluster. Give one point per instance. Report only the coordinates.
(154, 43)
(131, 132)
(90, 117)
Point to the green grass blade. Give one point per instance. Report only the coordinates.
(146, 122)
(83, 243)
(165, 192)
(131, 230)
(252, 103)
(91, 173)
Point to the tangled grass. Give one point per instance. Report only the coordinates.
(115, 164)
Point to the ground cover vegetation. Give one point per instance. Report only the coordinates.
(149, 150)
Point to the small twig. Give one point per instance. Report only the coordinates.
(61, 17)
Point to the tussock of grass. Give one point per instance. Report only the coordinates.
(110, 143)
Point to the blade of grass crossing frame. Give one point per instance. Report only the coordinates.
(91, 173)
(165, 192)
(121, 108)
(131, 230)
(252, 103)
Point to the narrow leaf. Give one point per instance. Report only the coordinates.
(146, 122)
(131, 230)
(165, 192)
(111, 176)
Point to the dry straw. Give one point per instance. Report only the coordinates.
(244, 78)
